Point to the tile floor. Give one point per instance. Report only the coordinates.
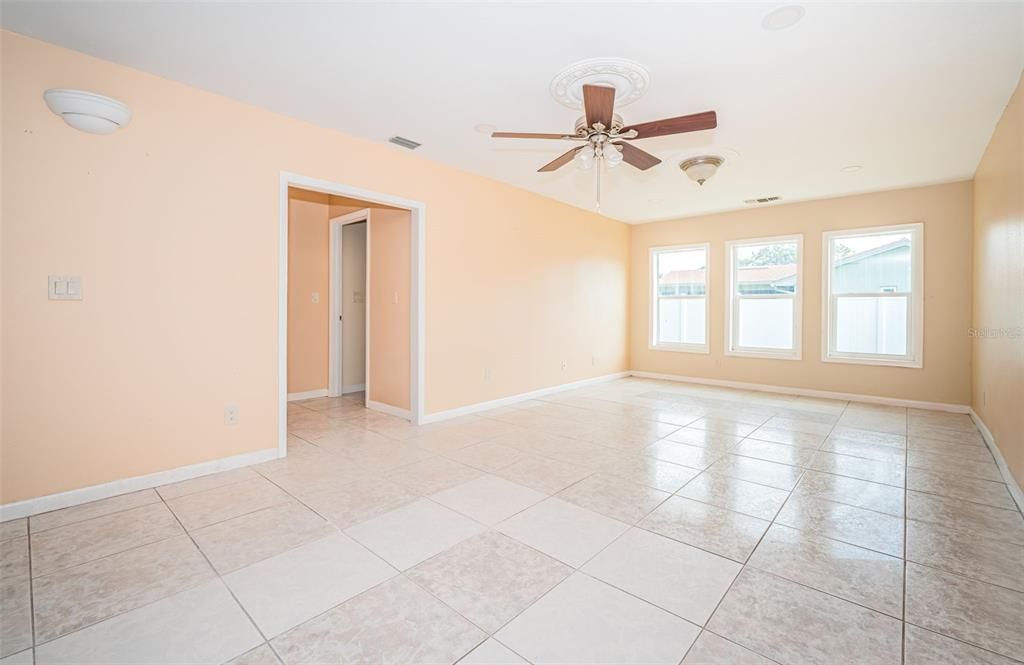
(629, 522)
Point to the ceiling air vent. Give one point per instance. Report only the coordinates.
(404, 142)
(763, 199)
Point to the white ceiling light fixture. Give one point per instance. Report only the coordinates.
(484, 128)
(88, 111)
(701, 169)
(783, 17)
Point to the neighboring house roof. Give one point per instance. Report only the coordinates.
(748, 275)
(867, 253)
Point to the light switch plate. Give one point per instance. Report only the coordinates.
(65, 287)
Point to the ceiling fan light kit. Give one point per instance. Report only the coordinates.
(603, 133)
(700, 169)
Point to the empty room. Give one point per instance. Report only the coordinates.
(501, 333)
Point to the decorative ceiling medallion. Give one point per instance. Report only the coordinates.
(629, 79)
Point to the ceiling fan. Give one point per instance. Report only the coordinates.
(603, 134)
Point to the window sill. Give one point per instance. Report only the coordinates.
(765, 355)
(879, 362)
(680, 348)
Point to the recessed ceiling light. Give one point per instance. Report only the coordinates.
(782, 17)
(485, 128)
(852, 168)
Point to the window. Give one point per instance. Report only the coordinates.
(765, 292)
(679, 298)
(872, 296)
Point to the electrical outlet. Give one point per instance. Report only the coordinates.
(315, 297)
(487, 373)
(231, 414)
(593, 361)
(565, 364)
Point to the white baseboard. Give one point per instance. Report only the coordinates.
(353, 388)
(50, 502)
(1004, 469)
(309, 394)
(388, 409)
(807, 392)
(521, 397)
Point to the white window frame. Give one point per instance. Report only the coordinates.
(653, 343)
(915, 307)
(732, 347)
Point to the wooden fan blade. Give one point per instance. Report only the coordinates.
(694, 122)
(560, 162)
(525, 135)
(637, 157)
(599, 105)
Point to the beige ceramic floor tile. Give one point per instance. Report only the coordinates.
(244, 540)
(676, 577)
(923, 647)
(897, 440)
(790, 623)
(788, 437)
(488, 499)
(974, 518)
(563, 530)
(985, 559)
(489, 456)
(648, 471)
(583, 620)
(970, 452)
(13, 528)
(489, 578)
(853, 492)
(774, 452)
(201, 625)
(114, 504)
(703, 438)
(856, 526)
(21, 658)
(80, 542)
(974, 612)
(208, 482)
(862, 576)
(773, 474)
(886, 473)
(432, 475)
(734, 494)
(985, 470)
(350, 503)
(261, 655)
(15, 615)
(544, 475)
(880, 452)
(710, 649)
(723, 426)
(281, 592)
(396, 622)
(14, 558)
(77, 597)
(222, 503)
(615, 497)
(959, 487)
(492, 652)
(695, 457)
(716, 530)
(413, 533)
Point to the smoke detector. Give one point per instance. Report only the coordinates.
(88, 111)
(630, 80)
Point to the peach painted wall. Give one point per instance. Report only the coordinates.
(946, 213)
(998, 360)
(179, 316)
(308, 273)
(390, 290)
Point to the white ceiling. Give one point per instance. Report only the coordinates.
(910, 91)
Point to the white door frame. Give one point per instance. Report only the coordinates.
(335, 384)
(417, 336)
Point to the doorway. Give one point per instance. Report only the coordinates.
(393, 295)
(349, 288)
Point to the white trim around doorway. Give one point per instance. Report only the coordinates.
(417, 331)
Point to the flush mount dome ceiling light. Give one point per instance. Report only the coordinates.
(88, 111)
(700, 169)
(782, 17)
